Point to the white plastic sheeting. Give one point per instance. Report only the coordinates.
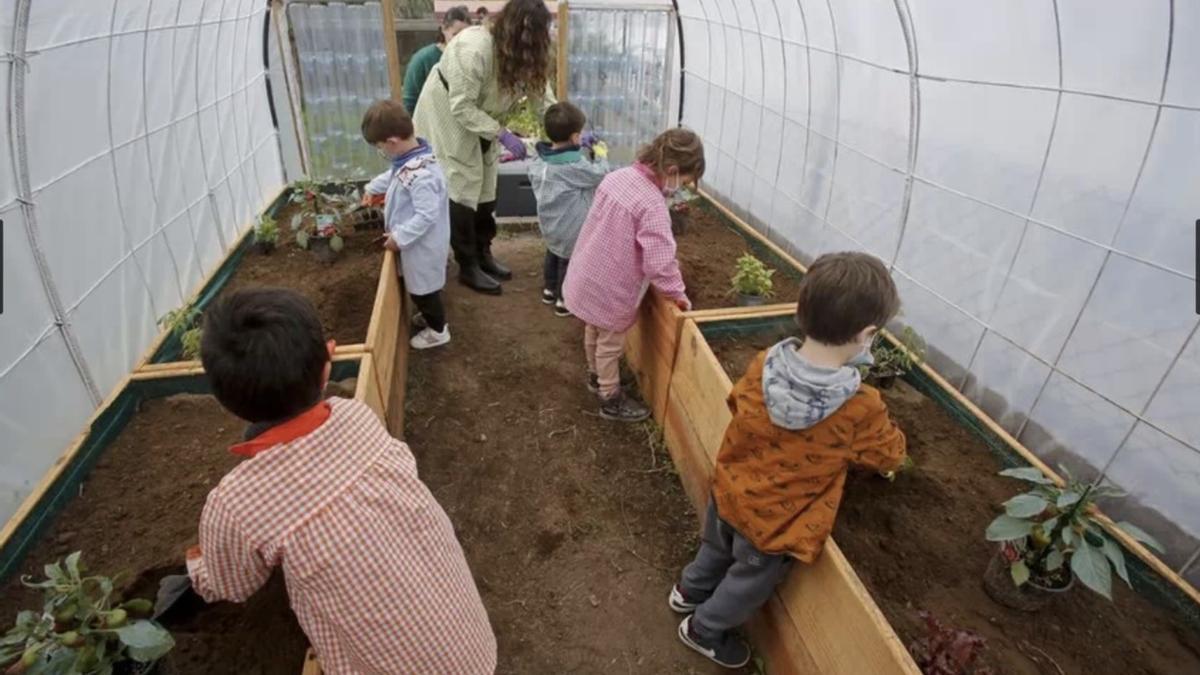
(1028, 170)
(138, 145)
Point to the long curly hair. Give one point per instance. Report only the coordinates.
(521, 33)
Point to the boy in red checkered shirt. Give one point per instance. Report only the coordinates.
(374, 572)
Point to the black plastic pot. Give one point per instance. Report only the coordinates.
(747, 300)
(883, 380)
(320, 247)
(1030, 597)
(264, 247)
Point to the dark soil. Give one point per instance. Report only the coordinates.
(918, 544)
(343, 292)
(575, 527)
(136, 514)
(708, 251)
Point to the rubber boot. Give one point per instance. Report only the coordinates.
(493, 267)
(477, 280)
(485, 232)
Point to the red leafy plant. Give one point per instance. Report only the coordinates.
(946, 650)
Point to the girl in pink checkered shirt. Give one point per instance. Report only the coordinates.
(625, 247)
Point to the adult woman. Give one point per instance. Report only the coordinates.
(425, 58)
(482, 74)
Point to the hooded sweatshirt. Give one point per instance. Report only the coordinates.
(564, 182)
(797, 428)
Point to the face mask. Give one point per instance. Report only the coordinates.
(670, 190)
(864, 357)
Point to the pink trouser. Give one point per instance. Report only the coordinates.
(604, 349)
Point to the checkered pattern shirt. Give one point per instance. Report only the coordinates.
(374, 572)
(625, 246)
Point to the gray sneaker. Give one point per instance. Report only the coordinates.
(621, 408)
(729, 651)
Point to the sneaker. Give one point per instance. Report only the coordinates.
(627, 381)
(729, 652)
(548, 296)
(679, 602)
(622, 408)
(429, 338)
(560, 308)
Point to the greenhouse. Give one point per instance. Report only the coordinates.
(600, 336)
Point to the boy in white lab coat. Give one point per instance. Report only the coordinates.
(416, 213)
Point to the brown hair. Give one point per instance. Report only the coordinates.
(680, 148)
(452, 16)
(842, 294)
(386, 119)
(562, 120)
(521, 34)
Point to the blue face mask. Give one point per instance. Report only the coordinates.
(864, 357)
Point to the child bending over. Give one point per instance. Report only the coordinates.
(801, 419)
(416, 214)
(625, 247)
(564, 181)
(374, 572)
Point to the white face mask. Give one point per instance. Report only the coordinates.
(864, 357)
(670, 190)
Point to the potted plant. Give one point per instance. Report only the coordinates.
(266, 234)
(891, 361)
(184, 323)
(82, 629)
(751, 281)
(318, 220)
(1049, 538)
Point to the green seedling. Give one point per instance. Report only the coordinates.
(752, 278)
(183, 323)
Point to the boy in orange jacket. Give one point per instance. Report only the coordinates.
(801, 419)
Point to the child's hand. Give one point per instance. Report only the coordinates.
(906, 465)
(369, 199)
(683, 304)
(389, 243)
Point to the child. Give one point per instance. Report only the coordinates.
(416, 214)
(800, 419)
(374, 572)
(564, 181)
(626, 246)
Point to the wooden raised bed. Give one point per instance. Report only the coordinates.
(822, 619)
(379, 363)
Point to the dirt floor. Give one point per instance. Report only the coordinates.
(708, 251)
(918, 544)
(343, 292)
(575, 527)
(137, 513)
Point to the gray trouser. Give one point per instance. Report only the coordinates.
(729, 577)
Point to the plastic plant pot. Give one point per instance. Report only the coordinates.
(1030, 597)
(747, 300)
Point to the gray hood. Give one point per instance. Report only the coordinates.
(799, 394)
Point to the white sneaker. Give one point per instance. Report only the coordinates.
(429, 338)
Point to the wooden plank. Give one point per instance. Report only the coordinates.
(399, 380)
(383, 330)
(650, 349)
(725, 313)
(367, 389)
(388, 26)
(687, 452)
(562, 64)
(701, 386)
(774, 636)
(312, 666)
(158, 371)
(842, 628)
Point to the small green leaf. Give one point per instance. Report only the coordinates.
(54, 572)
(1027, 473)
(1090, 565)
(1141, 535)
(1068, 536)
(1007, 528)
(302, 239)
(1020, 572)
(1117, 557)
(1066, 473)
(1025, 506)
(73, 565)
(1054, 560)
(336, 243)
(1067, 498)
(1049, 524)
(146, 640)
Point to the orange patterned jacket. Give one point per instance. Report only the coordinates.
(781, 489)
